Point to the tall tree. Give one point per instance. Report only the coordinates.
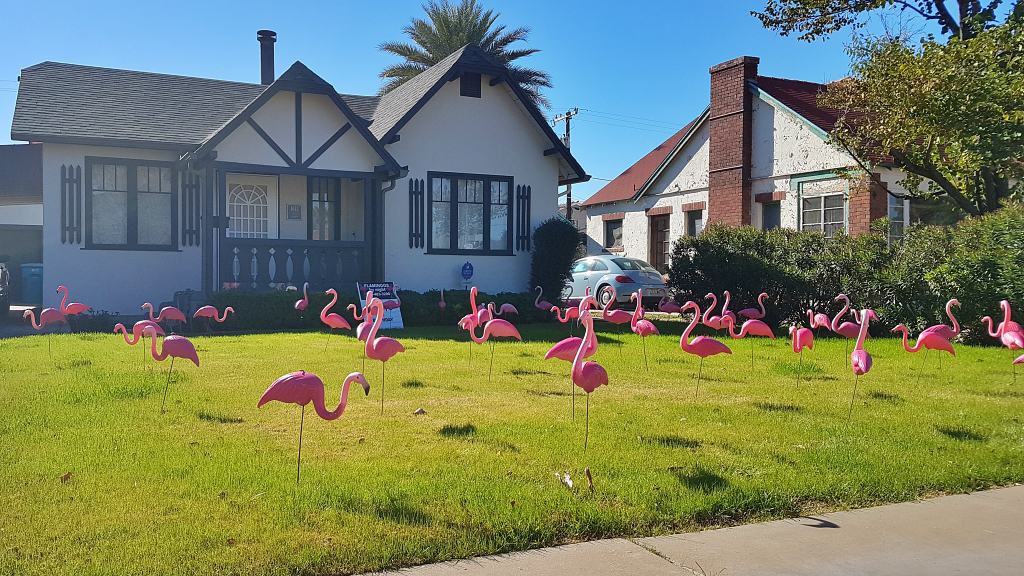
(947, 111)
(449, 27)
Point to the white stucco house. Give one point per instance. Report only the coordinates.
(154, 183)
(758, 155)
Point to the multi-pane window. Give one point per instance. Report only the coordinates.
(897, 217)
(825, 214)
(694, 222)
(131, 204)
(470, 213)
(323, 209)
(613, 233)
(248, 211)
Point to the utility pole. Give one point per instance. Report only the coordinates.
(567, 117)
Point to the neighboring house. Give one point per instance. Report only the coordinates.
(579, 214)
(758, 155)
(153, 183)
(21, 210)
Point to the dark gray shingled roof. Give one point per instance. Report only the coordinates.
(70, 102)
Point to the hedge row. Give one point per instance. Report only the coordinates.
(979, 261)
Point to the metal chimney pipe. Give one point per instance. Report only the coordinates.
(267, 39)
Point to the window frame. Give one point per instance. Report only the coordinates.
(691, 217)
(776, 206)
(453, 202)
(611, 222)
(820, 226)
(334, 185)
(132, 207)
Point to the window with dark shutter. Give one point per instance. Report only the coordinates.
(70, 204)
(416, 197)
(469, 84)
(191, 203)
(522, 215)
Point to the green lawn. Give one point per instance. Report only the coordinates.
(94, 480)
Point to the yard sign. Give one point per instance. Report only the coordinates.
(387, 292)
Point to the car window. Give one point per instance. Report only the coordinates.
(599, 266)
(632, 264)
(579, 266)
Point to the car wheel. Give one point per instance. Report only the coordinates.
(604, 295)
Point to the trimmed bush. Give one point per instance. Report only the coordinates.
(556, 245)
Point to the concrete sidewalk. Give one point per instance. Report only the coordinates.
(976, 534)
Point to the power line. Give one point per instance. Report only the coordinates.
(629, 127)
(632, 117)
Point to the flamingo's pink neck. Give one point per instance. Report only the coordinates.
(992, 331)
(305, 292)
(639, 295)
(64, 300)
(839, 316)
(149, 307)
(162, 355)
(684, 340)
(31, 315)
(728, 321)
(540, 293)
(865, 320)
(472, 299)
(124, 332)
(760, 302)
(608, 305)
(321, 408)
(334, 300)
(725, 305)
(1005, 305)
(952, 318)
(906, 339)
(577, 362)
(377, 308)
(711, 307)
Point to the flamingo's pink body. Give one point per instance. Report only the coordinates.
(73, 308)
(47, 317)
(802, 338)
(943, 330)
(614, 316)
(363, 328)
(755, 313)
(539, 304)
(565, 349)
(709, 319)
(701, 346)
(483, 316)
(638, 324)
(303, 303)
(167, 314)
(173, 347)
(749, 328)
(305, 387)
(380, 348)
(571, 313)
(845, 329)
(818, 320)
(1011, 339)
(496, 329)
(1008, 325)
(211, 313)
(138, 331)
(391, 304)
(330, 319)
(929, 340)
(1019, 359)
(668, 305)
(860, 360)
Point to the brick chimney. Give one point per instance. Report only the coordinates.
(730, 122)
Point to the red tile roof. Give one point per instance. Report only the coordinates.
(626, 184)
(802, 98)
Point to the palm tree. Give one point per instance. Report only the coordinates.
(450, 27)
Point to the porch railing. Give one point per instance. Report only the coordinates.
(258, 264)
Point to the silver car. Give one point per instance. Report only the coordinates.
(603, 273)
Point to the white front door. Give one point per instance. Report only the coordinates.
(252, 206)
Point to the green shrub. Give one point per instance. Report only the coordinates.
(556, 244)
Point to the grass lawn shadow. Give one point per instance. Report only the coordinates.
(457, 431)
(961, 433)
(778, 407)
(671, 441)
(885, 396)
(413, 384)
(699, 478)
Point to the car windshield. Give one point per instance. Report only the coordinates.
(633, 264)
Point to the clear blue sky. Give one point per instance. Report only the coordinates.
(642, 66)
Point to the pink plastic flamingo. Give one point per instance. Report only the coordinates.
(504, 310)
(303, 388)
(726, 313)
(667, 305)
(802, 338)
(1012, 339)
(210, 313)
(167, 314)
(929, 340)
(566, 349)
(302, 303)
(571, 313)
(615, 316)
(542, 305)
(473, 318)
(701, 346)
(641, 327)
(380, 348)
(138, 333)
(860, 360)
(588, 375)
(365, 322)
(749, 328)
(497, 328)
(333, 320)
(755, 313)
(710, 319)
(392, 303)
(847, 330)
(943, 330)
(175, 347)
(818, 320)
(73, 308)
(48, 317)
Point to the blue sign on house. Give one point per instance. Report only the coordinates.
(467, 271)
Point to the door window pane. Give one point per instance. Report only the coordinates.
(323, 208)
(248, 211)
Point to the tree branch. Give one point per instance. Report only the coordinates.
(934, 175)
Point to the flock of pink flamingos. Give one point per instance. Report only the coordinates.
(303, 387)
